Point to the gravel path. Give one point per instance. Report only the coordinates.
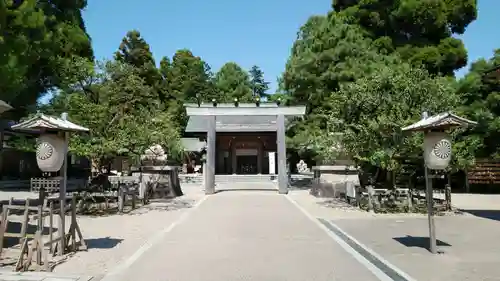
(112, 239)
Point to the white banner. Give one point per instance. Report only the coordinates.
(272, 163)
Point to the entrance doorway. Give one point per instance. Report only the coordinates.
(247, 164)
(246, 161)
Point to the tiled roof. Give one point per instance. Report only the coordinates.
(441, 121)
(42, 122)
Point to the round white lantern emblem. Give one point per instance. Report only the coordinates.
(437, 150)
(442, 149)
(50, 153)
(44, 151)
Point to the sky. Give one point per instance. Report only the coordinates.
(258, 32)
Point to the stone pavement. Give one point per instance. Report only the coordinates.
(468, 241)
(469, 245)
(242, 235)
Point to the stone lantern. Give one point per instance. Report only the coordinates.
(437, 154)
(52, 150)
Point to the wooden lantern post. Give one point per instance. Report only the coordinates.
(50, 151)
(437, 155)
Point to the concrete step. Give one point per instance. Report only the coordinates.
(198, 179)
(244, 178)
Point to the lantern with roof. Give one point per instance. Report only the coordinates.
(437, 148)
(437, 142)
(52, 143)
(52, 151)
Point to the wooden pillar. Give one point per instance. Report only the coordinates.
(62, 197)
(282, 171)
(210, 163)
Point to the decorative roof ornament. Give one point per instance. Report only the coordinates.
(440, 121)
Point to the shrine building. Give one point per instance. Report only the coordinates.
(246, 138)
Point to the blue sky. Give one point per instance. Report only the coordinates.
(258, 32)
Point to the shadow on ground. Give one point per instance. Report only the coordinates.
(164, 205)
(15, 227)
(419, 242)
(337, 204)
(487, 214)
(102, 243)
(305, 183)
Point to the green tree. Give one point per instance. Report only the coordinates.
(479, 91)
(371, 111)
(121, 110)
(233, 82)
(190, 78)
(327, 54)
(421, 31)
(35, 37)
(134, 50)
(258, 84)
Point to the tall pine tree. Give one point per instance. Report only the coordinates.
(233, 82)
(257, 82)
(421, 31)
(135, 51)
(36, 36)
(191, 79)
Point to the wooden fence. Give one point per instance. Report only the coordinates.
(31, 244)
(484, 172)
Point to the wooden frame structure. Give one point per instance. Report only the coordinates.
(73, 240)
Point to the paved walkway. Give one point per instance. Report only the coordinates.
(41, 276)
(243, 235)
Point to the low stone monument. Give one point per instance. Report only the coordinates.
(157, 179)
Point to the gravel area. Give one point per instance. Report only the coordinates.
(335, 209)
(112, 239)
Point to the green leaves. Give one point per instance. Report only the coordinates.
(123, 112)
(190, 77)
(479, 91)
(231, 82)
(419, 30)
(257, 83)
(35, 36)
(375, 108)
